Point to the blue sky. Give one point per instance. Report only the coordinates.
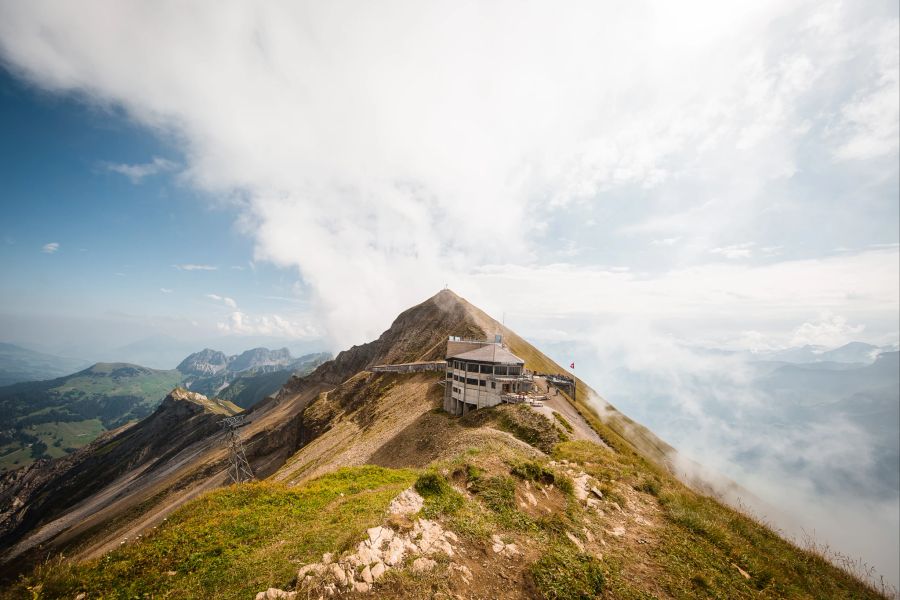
(124, 245)
(726, 173)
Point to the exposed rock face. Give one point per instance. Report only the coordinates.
(205, 362)
(212, 362)
(260, 357)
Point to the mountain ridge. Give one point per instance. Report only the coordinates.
(343, 424)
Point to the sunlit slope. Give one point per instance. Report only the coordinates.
(524, 524)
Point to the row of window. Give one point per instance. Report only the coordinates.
(471, 381)
(485, 369)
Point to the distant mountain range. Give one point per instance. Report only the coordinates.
(52, 417)
(854, 352)
(262, 371)
(21, 364)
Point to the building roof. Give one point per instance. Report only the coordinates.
(492, 353)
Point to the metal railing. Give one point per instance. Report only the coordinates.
(416, 367)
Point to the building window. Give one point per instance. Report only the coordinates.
(489, 369)
(472, 381)
(482, 382)
(515, 370)
(501, 371)
(449, 375)
(493, 385)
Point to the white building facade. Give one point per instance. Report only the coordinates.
(481, 374)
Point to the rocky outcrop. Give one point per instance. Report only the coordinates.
(205, 362)
(384, 548)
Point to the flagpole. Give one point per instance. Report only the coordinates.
(574, 384)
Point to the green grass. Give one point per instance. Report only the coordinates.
(562, 421)
(150, 384)
(73, 434)
(566, 574)
(701, 543)
(533, 471)
(234, 542)
(440, 498)
(58, 437)
(521, 421)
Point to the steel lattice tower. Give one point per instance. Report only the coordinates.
(239, 468)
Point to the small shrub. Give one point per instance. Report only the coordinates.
(532, 471)
(498, 493)
(562, 421)
(431, 483)
(648, 486)
(565, 574)
(610, 494)
(565, 484)
(555, 523)
(440, 497)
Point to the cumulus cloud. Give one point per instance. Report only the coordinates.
(229, 302)
(194, 267)
(50, 248)
(137, 172)
(830, 330)
(166, 290)
(240, 323)
(427, 139)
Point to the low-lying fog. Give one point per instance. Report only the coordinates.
(813, 434)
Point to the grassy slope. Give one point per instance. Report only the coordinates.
(236, 541)
(31, 407)
(233, 542)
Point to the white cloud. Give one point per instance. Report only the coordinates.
(380, 173)
(137, 172)
(193, 267)
(830, 330)
(50, 248)
(823, 471)
(229, 302)
(667, 241)
(734, 251)
(240, 323)
(869, 123)
(166, 290)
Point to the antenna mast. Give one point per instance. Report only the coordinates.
(239, 470)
